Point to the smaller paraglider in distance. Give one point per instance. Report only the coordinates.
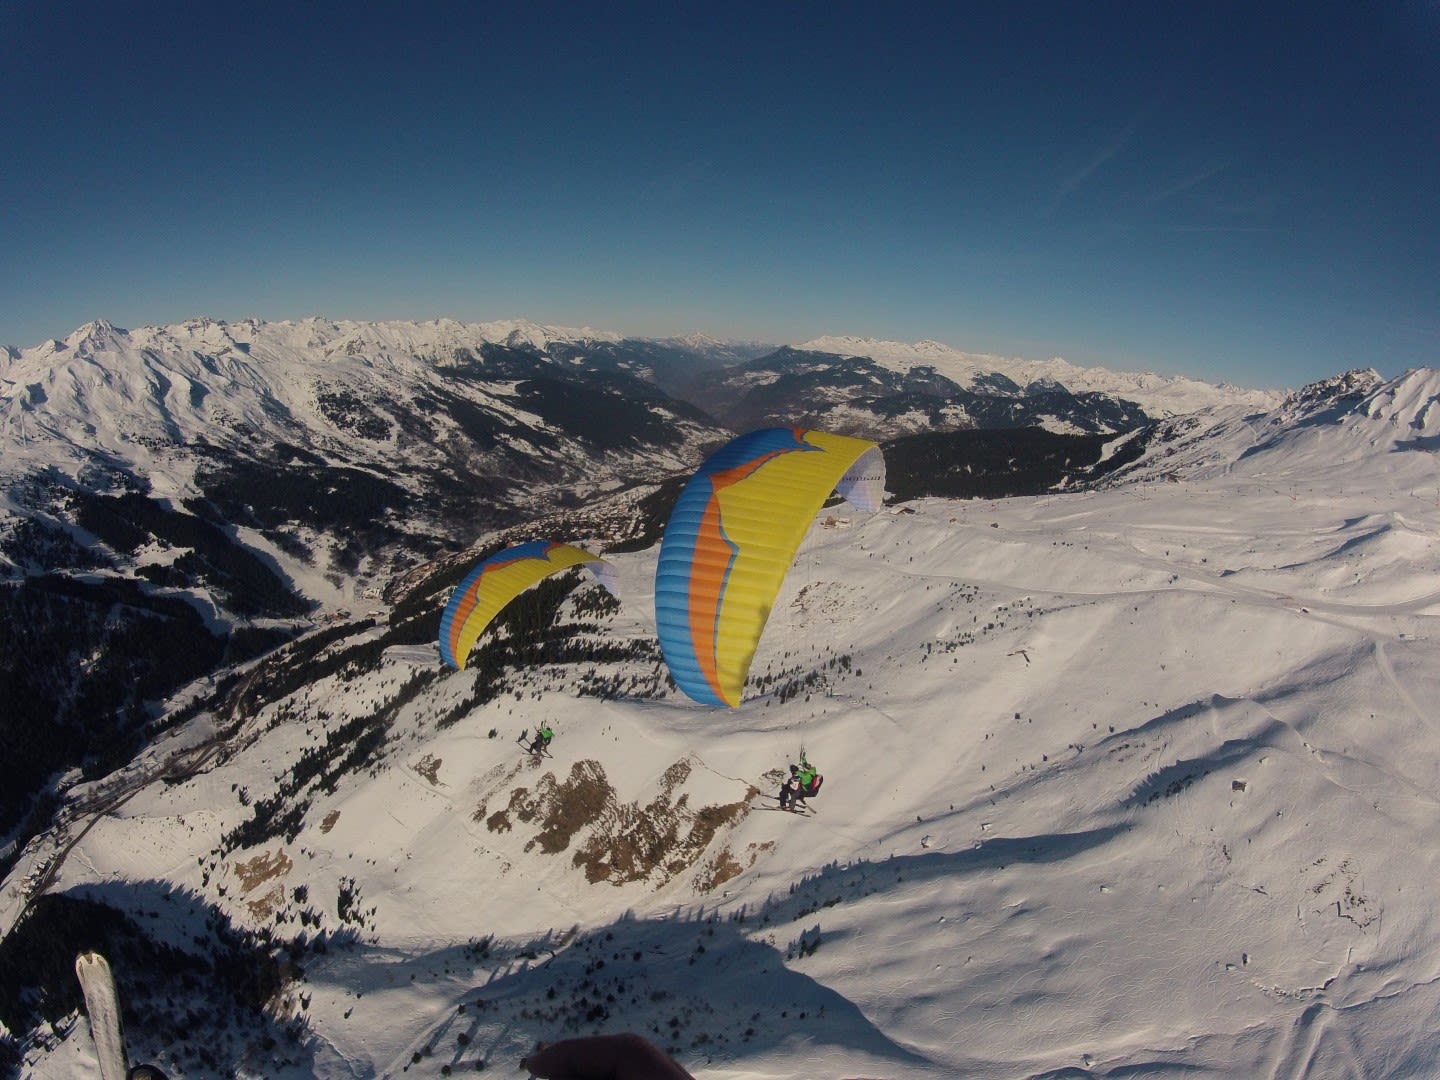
(499, 579)
(731, 539)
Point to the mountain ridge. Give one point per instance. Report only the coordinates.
(1184, 394)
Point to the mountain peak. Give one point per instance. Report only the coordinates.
(1355, 383)
(1411, 401)
(94, 335)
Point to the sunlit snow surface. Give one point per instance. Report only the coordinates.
(1140, 782)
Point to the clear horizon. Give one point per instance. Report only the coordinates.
(1234, 193)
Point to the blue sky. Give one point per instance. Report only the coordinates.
(1237, 191)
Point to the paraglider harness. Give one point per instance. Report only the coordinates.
(804, 783)
(541, 743)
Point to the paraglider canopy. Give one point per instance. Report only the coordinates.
(497, 581)
(731, 538)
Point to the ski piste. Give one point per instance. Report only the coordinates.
(103, 1007)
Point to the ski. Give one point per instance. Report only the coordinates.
(103, 1007)
(806, 812)
(807, 808)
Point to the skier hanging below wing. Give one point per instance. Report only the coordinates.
(541, 742)
(804, 783)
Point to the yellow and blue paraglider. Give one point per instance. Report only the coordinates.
(497, 581)
(733, 535)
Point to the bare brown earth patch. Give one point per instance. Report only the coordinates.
(255, 872)
(623, 842)
(265, 905)
(494, 780)
(262, 868)
(330, 819)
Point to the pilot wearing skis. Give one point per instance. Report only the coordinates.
(804, 783)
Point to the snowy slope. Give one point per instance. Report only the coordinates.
(1132, 782)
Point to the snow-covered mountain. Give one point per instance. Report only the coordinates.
(856, 394)
(1340, 413)
(1160, 396)
(885, 390)
(473, 398)
(1139, 778)
(175, 499)
(348, 445)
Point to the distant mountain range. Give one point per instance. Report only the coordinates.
(1160, 396)
(364, 445)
